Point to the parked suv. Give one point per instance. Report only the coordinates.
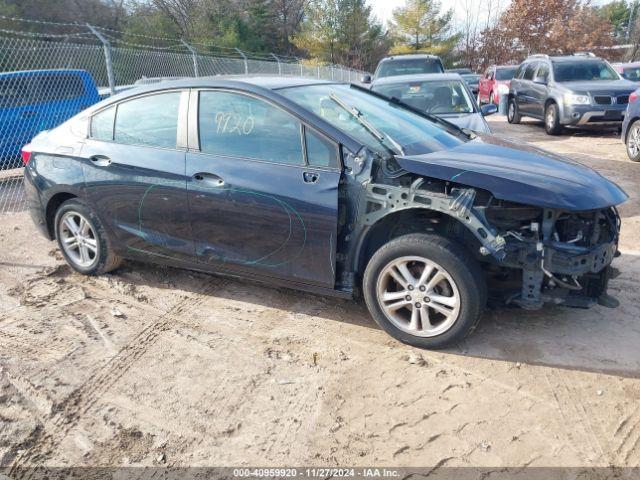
(36, 100)
(405, 65)
(579, 90)
(495, 82)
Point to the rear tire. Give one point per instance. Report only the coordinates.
(83, 240)
(633, 142)
(440, 288)
(552, 120)
(513, 115)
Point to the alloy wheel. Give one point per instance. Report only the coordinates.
(551, 118)
(78, 239)
(633, 143)
(418, 296)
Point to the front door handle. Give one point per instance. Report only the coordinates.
(310, 177)
(100, 160)
(210, 179)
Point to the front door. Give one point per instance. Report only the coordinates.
(263, 190)
(135, 174)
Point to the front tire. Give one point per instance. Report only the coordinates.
(425, 290)
(552, 120)
(633, 142)
(83, 240)
(513, 114)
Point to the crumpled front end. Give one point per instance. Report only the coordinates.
(564, 257)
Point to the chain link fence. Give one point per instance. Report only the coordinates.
(47, 78)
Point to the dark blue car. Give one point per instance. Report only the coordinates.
(328, 188)
(36, 100)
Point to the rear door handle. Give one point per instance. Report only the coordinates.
(210, 179)
(28, 114)
(310, 177)
(100, 160)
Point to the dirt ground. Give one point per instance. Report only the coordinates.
(156, 366)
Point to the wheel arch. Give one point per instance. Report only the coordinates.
(405, 221)
(52, 207)
(629, 125)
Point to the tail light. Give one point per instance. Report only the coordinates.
(26, 153)
(633, 97)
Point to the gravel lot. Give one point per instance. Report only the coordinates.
(156, 366)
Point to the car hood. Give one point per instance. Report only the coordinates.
(600, 86)
(472, 121)
(519, 173)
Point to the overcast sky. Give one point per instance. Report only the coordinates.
(383, 8)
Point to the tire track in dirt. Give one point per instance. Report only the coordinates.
(627, 436)
(574, 419)
(69, 412)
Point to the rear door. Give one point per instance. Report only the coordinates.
(524, 95)
(263, 189)
(539, 91)
(134, 163)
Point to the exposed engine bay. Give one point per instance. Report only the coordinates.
(536, 255)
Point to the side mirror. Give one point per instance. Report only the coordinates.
(488, 109)
(540, 80)
(366, 79)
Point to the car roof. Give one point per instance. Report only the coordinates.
(269, 82)
(422, 77)
(409, 56)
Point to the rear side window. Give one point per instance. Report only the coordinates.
(150, 121)
(33, 89)
(102, 124)
(321, 152)
(237, 125)
(15, 91)
(59, 87)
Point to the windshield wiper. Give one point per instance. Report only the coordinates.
(361, 119)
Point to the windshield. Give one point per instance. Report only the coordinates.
(471, 78)
(460, 70)
(581, 71)
(392, 68)
(412, 132)
(437, 97)
(631, 73)
(505, 73)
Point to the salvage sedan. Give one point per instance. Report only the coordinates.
(327, 188)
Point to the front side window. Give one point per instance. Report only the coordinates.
(416, 134)
(321, 152)
(543, 72)
(237, 125)
(581, 70)
(150, 121)
(444, 96)
(102, 124)
(413, 66)
(530, 70)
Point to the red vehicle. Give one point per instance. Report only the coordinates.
(495, 82)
